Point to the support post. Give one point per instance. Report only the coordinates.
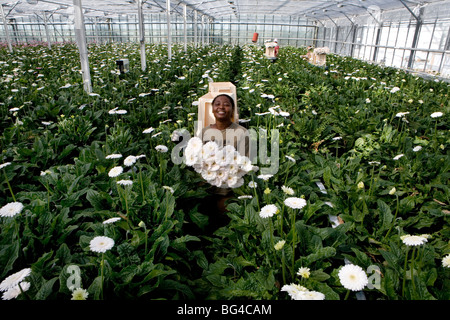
(80, 34)
(142, 35)
(47, 33)
(195, 28)
(169, 33)
(417, 30)
(185, 26)
(5, 25)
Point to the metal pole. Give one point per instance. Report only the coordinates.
(80, 34)
(142, 35)
(185, 26)
(169, 34)
(5, 25)
(47, 34)
(203, 29)
(195, 28)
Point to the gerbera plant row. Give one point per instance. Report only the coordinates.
(93, 206)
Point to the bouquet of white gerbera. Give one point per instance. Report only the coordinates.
(220, 167)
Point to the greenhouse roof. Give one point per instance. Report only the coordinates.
(217, 9)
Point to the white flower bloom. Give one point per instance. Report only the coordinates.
(446, 261)
(436, 114)
(148, 130)
(161, 148)
(392, 191)
(417, 148)
(170, 189)
(279, 245)
(14, 279)
(353, 277)
(79, 294)
(116, 171)
(101, 244)
(293, 289)
(265, 177)
(395, 89)
(245, 197)
(114, 156)
(410, 240)
(268, 211)
(129, 161)
(295, 203)
(304, 272)
(288, 190)
(308, 295)
(401, 114)
(290, 158)
(252, 184)
(3, 165)
(125, 182)
(11, 209)
(398, 156)
(15, 291)
(111, 220)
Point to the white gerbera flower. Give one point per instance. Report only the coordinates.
(252, 184)
(268, 211)
(410, 240)
(116, 171)
(191, 159)
(295, 203)
(169, 189)
(265, 177)
(14, 279)
(194, 145)
(14, 292)
(293, 289)
(290, 158)
(436, 114)
(288, 190)
(279, 245)
(125, 182)
(308, 295)
(79, 294)
(129, 161)
(148, 130)
(11, 209)
(446, 261)
(111, 220)
(101, 244)
(401, 114)
(209, 148)
(395, 89)
(3, 165)
(353, 277)
(304, 272)
(398, 156)
(161, 148)
(114, 156)
(417, 148)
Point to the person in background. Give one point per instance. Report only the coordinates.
(277, 48)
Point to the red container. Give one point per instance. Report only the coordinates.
(255, 37)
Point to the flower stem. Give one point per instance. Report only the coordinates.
(347, 295)
(404, 273)
(101, 284)
(9, 186)
(393, 222)
(412, 270)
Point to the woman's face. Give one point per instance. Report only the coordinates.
(222, 108)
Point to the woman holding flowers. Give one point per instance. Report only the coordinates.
(230, 136)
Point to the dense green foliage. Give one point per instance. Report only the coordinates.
(343, 129)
